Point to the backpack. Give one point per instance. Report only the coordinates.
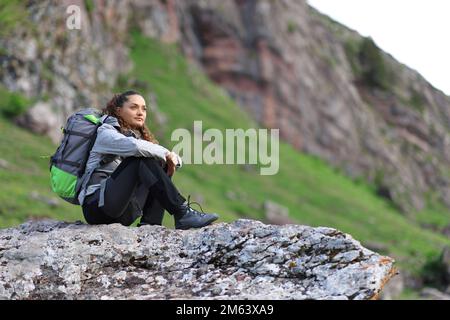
(68, 163)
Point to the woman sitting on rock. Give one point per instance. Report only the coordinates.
(128, 174)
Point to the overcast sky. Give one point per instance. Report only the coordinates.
(415, 32)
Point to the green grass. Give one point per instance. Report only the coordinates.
(90, 5)
(315, 193)
(13, 14)
(13, 104)
(409, 294)
(27, 171)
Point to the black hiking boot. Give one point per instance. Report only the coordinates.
(190, 218)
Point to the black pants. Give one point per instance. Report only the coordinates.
(132, 174)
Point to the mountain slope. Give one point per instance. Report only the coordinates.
(332, 93)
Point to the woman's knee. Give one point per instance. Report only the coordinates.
(153, 164)
(151, 161)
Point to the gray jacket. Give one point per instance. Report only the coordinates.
(109, 149)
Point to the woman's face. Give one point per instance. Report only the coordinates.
(133, 111)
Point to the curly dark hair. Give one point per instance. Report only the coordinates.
(117, 101)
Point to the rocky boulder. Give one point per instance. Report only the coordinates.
(245, 259)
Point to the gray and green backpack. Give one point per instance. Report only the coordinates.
(68, 163)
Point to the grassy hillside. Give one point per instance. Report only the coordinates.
(315, 193)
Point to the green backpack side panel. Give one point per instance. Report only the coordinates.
(63, 183)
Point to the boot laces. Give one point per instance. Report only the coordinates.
(189, 202)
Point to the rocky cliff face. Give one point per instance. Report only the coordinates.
(242, 260)
(63, 69)
(331, 92)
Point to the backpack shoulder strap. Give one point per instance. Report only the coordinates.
(110, 120)
(103, 118)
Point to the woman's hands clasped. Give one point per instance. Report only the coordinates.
(171, 161)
